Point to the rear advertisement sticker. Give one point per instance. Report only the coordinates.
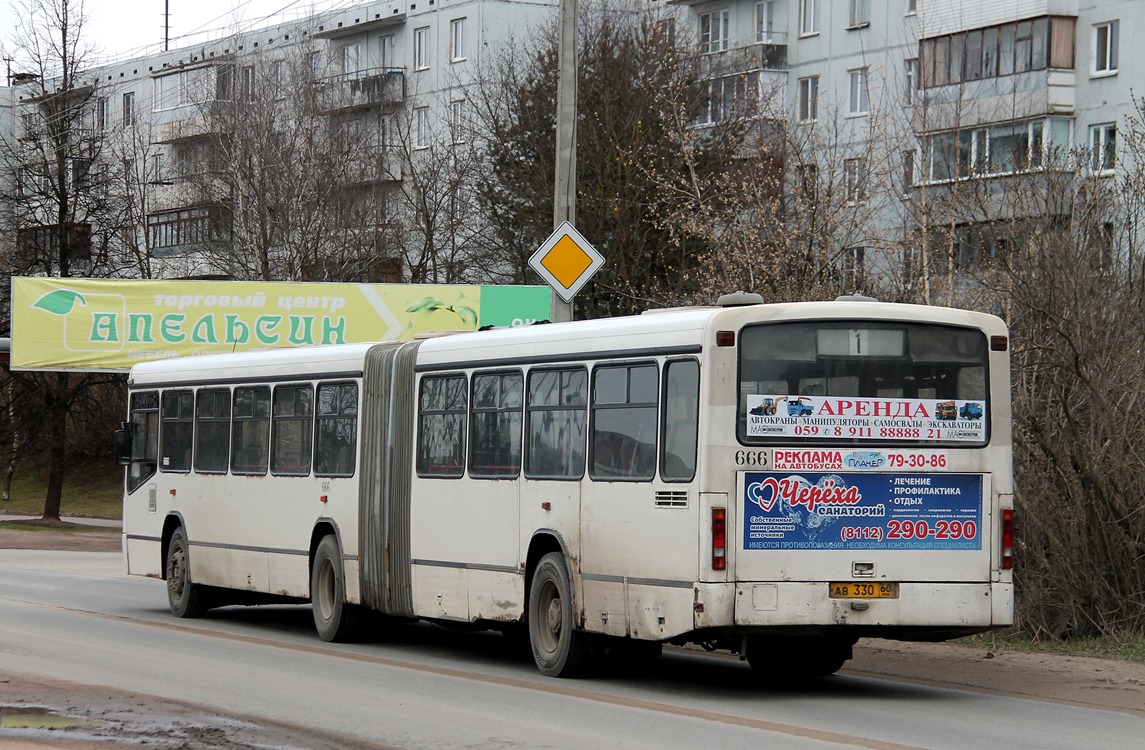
(827, 459)
(844, 511)
(845, 418)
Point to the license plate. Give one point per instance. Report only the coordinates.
(856, 590)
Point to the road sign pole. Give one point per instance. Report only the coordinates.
(564, 198)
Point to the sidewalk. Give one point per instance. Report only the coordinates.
(83, 520)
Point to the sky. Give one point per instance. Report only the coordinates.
(126, 28)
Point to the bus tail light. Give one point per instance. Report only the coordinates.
(719, 538)
(1008, 539)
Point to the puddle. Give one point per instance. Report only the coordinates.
(32, 717)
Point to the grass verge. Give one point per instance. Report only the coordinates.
(1126, 648)
(62, 526)
(92, 489)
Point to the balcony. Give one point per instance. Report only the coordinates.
(1019, 96)
(374, 87)
(769, 55)
(371, 167)
(186, 121)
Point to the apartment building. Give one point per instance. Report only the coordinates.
(906, 104)
(892, 113)
(375, 85)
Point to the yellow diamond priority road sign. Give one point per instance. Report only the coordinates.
(566, 261)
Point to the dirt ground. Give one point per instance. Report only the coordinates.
(132, 719)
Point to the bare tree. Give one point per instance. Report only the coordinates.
(1047, 236)
(57, 197)
(286, 163)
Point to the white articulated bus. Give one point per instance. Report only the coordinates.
(777, 480)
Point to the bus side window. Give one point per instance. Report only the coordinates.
(681, 420)
(212, 430)
(176, 433)
(337, 429)
(624, 422)
(250, 431)
(441, 427)
(144, 438)
(292, 429)
(556, 418)
(495, 439)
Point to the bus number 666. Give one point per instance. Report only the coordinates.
(751, 458)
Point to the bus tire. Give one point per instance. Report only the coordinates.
(185, 597)
(558, 648)
(334, 618)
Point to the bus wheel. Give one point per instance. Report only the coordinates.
(559, 650)
(184, 597)
(334, 618)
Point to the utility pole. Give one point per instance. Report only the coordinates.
(166, 24)
(564, 199)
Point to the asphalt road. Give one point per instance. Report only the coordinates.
(75, 617)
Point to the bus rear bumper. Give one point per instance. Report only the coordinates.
(798, 604)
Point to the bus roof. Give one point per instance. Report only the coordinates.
(657, 332)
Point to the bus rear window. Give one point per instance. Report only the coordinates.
(865, 381)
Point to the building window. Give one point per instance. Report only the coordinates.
(664, 32)
(457, 121)
(421, 127)
(911, 7)
(853, 262)
(809, 181)
(387, 52)
(421, 48)
(732, 97)
(910, 80)
(158, 168)
(101, 113)
(351, 59)
(808, 23)
(860, 14)
(128, 107)
(997, 51)
(764, 22)
(855, 181)
(859, 97)
(246, 84)
(183, 227)
(714, 31)
(1102, 148)
(1105, 41)
(1002, 149)
(907, 169)
(457, 39)
(808, 99)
